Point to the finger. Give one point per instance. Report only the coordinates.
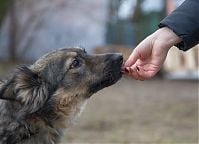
(132, 71)
(145, 74)
(132, 59)
(123, 70)
(138, 76)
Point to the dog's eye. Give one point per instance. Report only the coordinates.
(75, 64)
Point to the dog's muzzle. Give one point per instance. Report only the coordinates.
(111, 72)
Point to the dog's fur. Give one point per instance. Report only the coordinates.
(40, 101)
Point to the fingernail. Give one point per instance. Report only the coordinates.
(138, 69)
(126, 70)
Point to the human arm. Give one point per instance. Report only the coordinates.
(181, 28)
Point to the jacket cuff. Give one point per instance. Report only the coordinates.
(184, 44)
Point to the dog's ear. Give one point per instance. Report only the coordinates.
(31, 90)
(6, 89)
(1, 85)
(1, 88)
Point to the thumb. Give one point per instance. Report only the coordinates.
(132, 59)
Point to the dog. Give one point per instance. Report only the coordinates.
(39, 102)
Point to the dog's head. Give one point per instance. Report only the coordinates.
(61, 80)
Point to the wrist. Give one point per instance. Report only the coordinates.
(167, 37)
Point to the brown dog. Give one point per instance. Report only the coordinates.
(42, 100)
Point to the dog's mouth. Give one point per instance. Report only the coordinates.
(108, 80)
(111, 78)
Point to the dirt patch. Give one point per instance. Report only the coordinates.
(157, 111)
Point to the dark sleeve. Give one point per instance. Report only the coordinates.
(184, 21)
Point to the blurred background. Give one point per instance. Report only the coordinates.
(161, 110)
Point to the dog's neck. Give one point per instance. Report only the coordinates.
(54, 128)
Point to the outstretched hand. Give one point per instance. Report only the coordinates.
(148, 57)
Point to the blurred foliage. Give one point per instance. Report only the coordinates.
(4, 6)
(146, 23)
(119, 32)
(134, 30)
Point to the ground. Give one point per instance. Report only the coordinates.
(158, 111)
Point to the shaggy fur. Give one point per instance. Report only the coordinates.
(40, 101)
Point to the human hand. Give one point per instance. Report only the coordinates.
(149, 56)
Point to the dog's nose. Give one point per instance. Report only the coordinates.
(118, 57)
